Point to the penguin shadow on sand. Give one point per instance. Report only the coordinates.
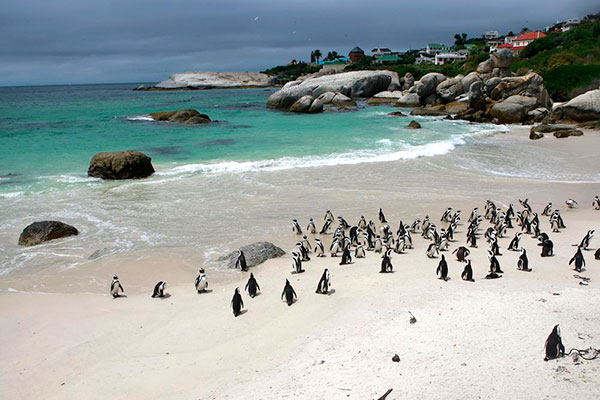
(205, 291)
(120, 296)
(164, 296)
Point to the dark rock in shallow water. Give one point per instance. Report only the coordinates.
(433, 112)
(187, 117)
(567, 133)
(129, 164)
(42, 231)
(397, 114)
(255, 253)
(414, 125)
(533, 135)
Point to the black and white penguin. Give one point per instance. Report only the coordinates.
(289, 293)
(343, 223)
(159, 289)
(237, 303)
(201, 284)
(514, 243)
(252, 286)
(346, 257)
(359, 252)
(386, 262)
(585, 242)
(494, 263)
(382, 217)
(115, 286)
(432, 250)
(523, 262)
(467, 274)
(597, 254)
(416, 225)
(442, 269)
(472, 238)
(547, 210)
(324, 283)
(354, 231)
(547, 248)
(570, 203)
(241, 261)
(495, 248)
(328, 215)
(296, 263)
(554, 345)
(596, 203)
(303, 252)
(326, 226)
(335, 247)
(311, 228)
(425, 225)
(362, 222)
(306, 244)
(474, 215)
(446, 215)
(578, 259)
(296, 227)
(378, 244)
(461, 253)
(319, 248)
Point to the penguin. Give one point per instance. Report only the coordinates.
(425, 225)
(319, 248)
(596, 203)
(432, 250)
(237, 303)
(115, 286)
(303, 252)
(311, 227)
(296, 227)
(554, 225)
(346, 257)
(324, 283)
(597, 254)
(578, 259)
(378, 244)
(461, 253)
(473, 215)
(328, 215)
(362, 222)
(523, 262)
(547, 248)
(334, 248)
(415, 225)
(201, 283)
(252, 286)
(359, 252)
(289, 293)
(514, 243)
(241, 261)
(585, 242)
(554, 345)
(472, 239)
(159, 289)
(386, 262)
(354, 231)
(326, 226)
(382, 217)
(547, 210)
(570, 203)
(343, 222)
(442, 269)
(494, 264)
(306, 244)
(297, 263)
(495, 247)
(446, 215)
(467, 274)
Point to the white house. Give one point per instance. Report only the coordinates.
(489, 35)
(443, 58)
(436, 48)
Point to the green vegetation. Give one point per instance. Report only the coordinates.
(291, 72)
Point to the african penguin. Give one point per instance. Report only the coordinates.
(442, 269)
(296, 227)
(201, 283)
(237, 303)
(324, 282)
(554, 345)
(241, 261)
(578, 259)
(159, 289)
(523, 262)
(289, 293)
(467, 274)
(252, 286)
(115, 286)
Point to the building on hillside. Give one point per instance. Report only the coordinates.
(436, 48)
(336, 65)
(563, 26)
(356, 54)
(380, 51)
(388, 58)
(527, 37)
(444, 58)
(489, 35)
(493, 44)
(425, 58)
(509, 39)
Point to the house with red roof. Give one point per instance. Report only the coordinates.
(520, 42)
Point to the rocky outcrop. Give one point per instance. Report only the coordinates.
(477, 100)
(450, 89)
(42, 231)
(407, 81)
(350, 84)
(585, 107)
(187, 117)
(255, 254)
(129, 164)
(427, 85)
(414, 125)
(567, 133)
(307, 104)
(429, 111)
(513, 109)
(212, 80)
(530, 85)
(385, 97)
(397, 114)
(535, 135)
(336, 99)
(408, 100)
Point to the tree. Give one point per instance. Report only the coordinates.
(511, 33)
(312, 57)
(332, 55)
(460, 39)
(525, 29)
(318, 55)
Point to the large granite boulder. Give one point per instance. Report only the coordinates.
(187, 116)
(513, 109)
(585, 107)
(468, 80)
(567, 133)
(477, 100)
(408, 100)
(350, 84)
(217, 80)
(255, 254)
(427, 85)
(485, 67)
(307, 104)
(42, 231)
(450, 89)
(530, 85)
(385, 97)
(129, 164)
(502, 58)
(407, 81)
(336, 99)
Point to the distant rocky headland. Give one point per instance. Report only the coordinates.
(212, 80)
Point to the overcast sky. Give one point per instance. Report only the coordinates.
(97, 41)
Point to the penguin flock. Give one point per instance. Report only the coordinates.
(355, 241)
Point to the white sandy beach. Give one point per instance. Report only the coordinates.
(64, 337)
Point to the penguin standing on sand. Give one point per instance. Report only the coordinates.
(296, 227)
(289, 293)
(343, 223)
(386, 262)
(115, 286)
(241, 261)
(446, 215)
(378, 244)
(237, 303)
(359, 252)
(310, 228)
(324, 282)
(362, 222)
(570, 203)
(585, 242)
(159, 289)
(346, 257)
(382, 217)
(494, 247)
(201, 283)
(514, 243)
(326, 226)
(467, 274)
(306, 244)
(432, 250)
(319, 248)
(596, 203)
(328, 215)
(523, 262)
(494, 263)
(547, 248)
(472, 238)
(554, 345)
(578, 259)
(297, 262)
(416, 225)
(547, 210)
(442, 269)
(461, 253)
(252, 286)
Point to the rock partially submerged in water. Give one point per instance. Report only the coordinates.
(414, 125)
(187, 117)
(212, 80)
(255, 253)
(567, 133)
(42, 231)
(129, 164)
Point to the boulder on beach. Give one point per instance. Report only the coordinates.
(567, 133)
(336, 99)
(450, 89)
(585, 107)
(535, 135)
(427, 85)
(42, 231)
(216, 80)
(187, 116)
(408, 100)
(129, 164)
(307, 104)
(414, 125)
(513, 109)
(255, 254)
